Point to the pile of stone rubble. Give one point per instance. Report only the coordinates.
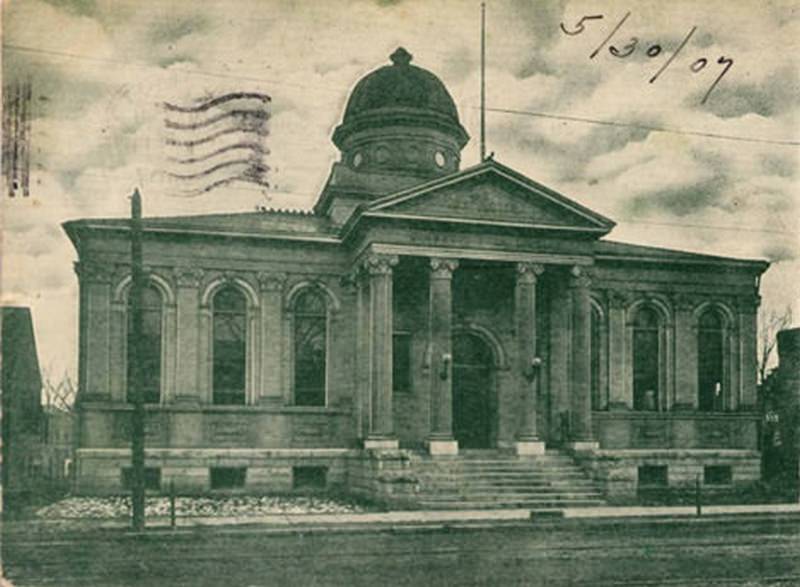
(117, 507)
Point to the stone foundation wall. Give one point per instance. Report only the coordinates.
(618, 473)
(99, 471)
(385, 477)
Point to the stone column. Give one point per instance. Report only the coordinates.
(95, 330)
(117, 352)
(363, 408)
(381, 430)
(188, 308)
(618, 399)
(748, 360)
(685, 355)
(440, 316)
(581, 400)
(529, 363)
(269, 380)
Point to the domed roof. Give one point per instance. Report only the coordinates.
(400, 93)
(400, 85)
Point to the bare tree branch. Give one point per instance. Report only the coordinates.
(58, 394)
(769, 325)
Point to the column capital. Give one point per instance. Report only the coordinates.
(442, 268)
(268, 281)
(619, 300)
(684, 302)
(93, 272)
(529, 272)
(378, 264)
(580, 277)
(188, 276)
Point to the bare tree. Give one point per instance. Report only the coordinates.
(769, 325)
(58, 393)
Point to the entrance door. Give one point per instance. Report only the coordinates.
(473, 405)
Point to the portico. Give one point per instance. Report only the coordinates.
(516, 384)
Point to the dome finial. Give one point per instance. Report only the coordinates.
(401, 56)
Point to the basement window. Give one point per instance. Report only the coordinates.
(653, 476)
(227, 477)
(309, 477)
(152, 478)
(717, 475)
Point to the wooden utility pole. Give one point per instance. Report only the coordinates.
(136, 372)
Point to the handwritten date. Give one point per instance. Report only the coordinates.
(622, 51)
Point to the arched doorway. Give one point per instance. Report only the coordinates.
(473, 392)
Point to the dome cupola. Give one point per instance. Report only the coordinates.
(400, 119)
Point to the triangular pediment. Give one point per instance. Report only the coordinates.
(490, 193)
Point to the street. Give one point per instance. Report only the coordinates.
(737, 552)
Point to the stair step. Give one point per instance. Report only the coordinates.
(537, 476)
(489, 490)
(502, 469)
(512, 496)
(507, 481)
(479, 505)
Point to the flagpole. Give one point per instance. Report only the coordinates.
(483, 81)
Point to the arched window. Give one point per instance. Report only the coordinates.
(710, 361)
(149, 348)
(598, 401)
(310, 348)
(646, 351)
(230, 346)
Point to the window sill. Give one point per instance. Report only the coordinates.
(211, 408)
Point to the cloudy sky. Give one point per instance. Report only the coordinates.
(100, 69)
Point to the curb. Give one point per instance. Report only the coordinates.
(551, 521)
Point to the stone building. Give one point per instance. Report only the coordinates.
(20, 389)
(419, 315)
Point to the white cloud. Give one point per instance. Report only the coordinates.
(100, 130)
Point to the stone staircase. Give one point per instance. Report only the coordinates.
(492, 480)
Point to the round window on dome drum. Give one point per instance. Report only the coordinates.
(358, 159)
(439, 158)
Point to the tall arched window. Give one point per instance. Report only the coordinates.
(598, 401)
(710, 361)
(310, 348)
(150, 347)
(230, 346)
(646, 351)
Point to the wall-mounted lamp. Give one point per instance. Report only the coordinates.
(532, 371)
(447, 358)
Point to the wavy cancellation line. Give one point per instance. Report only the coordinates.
(264, 98)
(260, 130)
(245, 116)
(223, 182)
(254, 165)
(255, 148)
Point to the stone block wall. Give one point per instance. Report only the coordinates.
(618, 472)
(268, 471)
(689, 430)
(383, 477)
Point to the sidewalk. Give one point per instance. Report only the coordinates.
(441, 519)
